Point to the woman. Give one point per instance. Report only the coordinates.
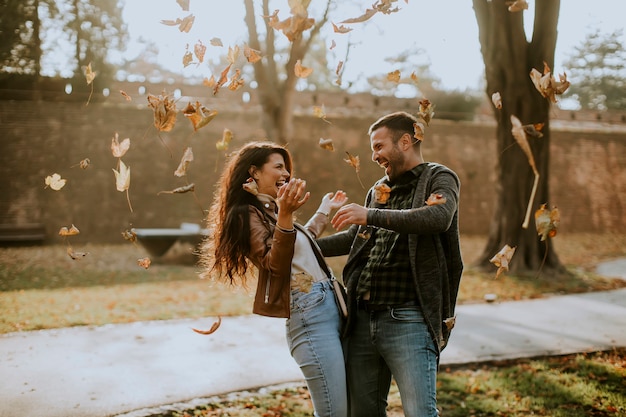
(251, 222)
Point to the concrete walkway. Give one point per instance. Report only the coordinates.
(132, 369)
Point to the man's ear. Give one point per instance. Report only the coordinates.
(406, 142)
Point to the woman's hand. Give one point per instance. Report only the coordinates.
(332, 201)
(290, 198)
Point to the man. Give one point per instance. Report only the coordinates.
(402, 273)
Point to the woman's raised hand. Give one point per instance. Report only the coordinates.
(292, 195)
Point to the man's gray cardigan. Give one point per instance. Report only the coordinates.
(434, 248)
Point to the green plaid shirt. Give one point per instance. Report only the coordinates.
(387, 272)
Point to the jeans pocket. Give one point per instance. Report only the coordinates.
(305, 301)
(407, 314)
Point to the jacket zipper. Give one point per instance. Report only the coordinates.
(267, 291)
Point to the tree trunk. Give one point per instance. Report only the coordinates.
(508, 58)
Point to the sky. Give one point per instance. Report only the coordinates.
(445, 30)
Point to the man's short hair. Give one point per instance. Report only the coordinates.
(399, 123)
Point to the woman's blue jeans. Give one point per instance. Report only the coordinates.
(394, 342)
(313, 334)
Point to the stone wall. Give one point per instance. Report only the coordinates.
(587, 178)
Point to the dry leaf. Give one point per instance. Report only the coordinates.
(129, 235)
(184, 25)
(227, 136)
(180, 190)
(534, 130)
(517, 5)
(251, 186)
(251, 55)
(164, 111)
(187, 158)
(184, 4)
(119, 149)
(303, 281)
(187, 58)
(365, 16)
(520, 136)
(236, 82)
(122, 177)
(414, 77)
(327, 144)
(71, 231)
(213, 328)
(426, 111)
(144, 262)
(547, 85)
(55, 182)
(341, 29)
(320, 112)
(450, 322)
(418, 131)
(76, 255)
(384, 6)
(435, 199)
(199, 50)
(547, 221)
(333, 44)
(84, 164)
(382, 192)
(233, 53)
(354, 162)
(209, 82)
(89, 74)
(125, 95)
(502, 259)
(394, 76)
(216, 42)
(223, 78)
(198, 115)
(302, 71)
(496, 99)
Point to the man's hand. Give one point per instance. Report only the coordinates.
(349, 214)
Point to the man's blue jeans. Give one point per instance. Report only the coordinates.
(394, 342)
(313, 334)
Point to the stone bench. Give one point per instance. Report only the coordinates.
(157, 241)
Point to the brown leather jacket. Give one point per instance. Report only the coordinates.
(271, 251)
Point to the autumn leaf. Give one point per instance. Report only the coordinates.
(164, 111)
(55, 182)
(520, 136)
(125, 95)
(216, 42)
(129, 235)
(547, 85)
(187, 158)
(517, 5)
(547, 221)
(534, 129)
(236, 81)
(83, 164)
(426, 111)
(199, 50)
(364, 17)
(222, 80)
(353, 161)
(414, 77)
(303, 281)
(198, 115)
(384, 6)
(251, 186)
(89, 74)
(184, 25)
(187, 58)
(332, 46)
(144, 262)
(341, 29)
(382, 192)
(227, 136)
(251, 55)
(213, 328)
(302, 71)
(209, 82)
(76, 255)
(450, 322)
(320, 113)
(327, 144)
(394, 76)
(71, 231)
(119, 149)
(496, 99)
(435, 199)
(502, 259)
(180, 190)
(184, 4)
(418, 131)
(122, 177)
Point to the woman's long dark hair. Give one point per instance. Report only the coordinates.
(224, 252)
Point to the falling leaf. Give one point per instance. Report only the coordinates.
(164, 111)
(517, 5)
(382, 192)
(384, 6)
(187, 158)
(394, 76)
(520, 136)
(354, 162)
(199, 50)
(76, 255)
(435, 199)
(341, 29)
(414, 77)
(84, 164)
(303, 281)
(209, 82)
(302, 71)
(236, 82)
(426, 111)
(227, 136)
(320, 112)
(180, 190)
(184, 25)
(125, 95)
(327, 144)
(333, 44)
(55, 182)
(365, 16)
(534, 130)
(187, 58)
(71, 231)
(547, 221)
(216, 42)
(213, 328)
(119, 149)
(89, 74)
(364, 234)
(450, 322)
(233, 53)
(198, 115)
(129, 235)
(122, 177)
(184, 4)
(418, 131)
(502, 259)
(496, 99)
(547, 85)
(144, 262)
(222, 80)
(251, 186)
(251, 55)
(339, 68)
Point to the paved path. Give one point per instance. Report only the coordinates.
(127, 369)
